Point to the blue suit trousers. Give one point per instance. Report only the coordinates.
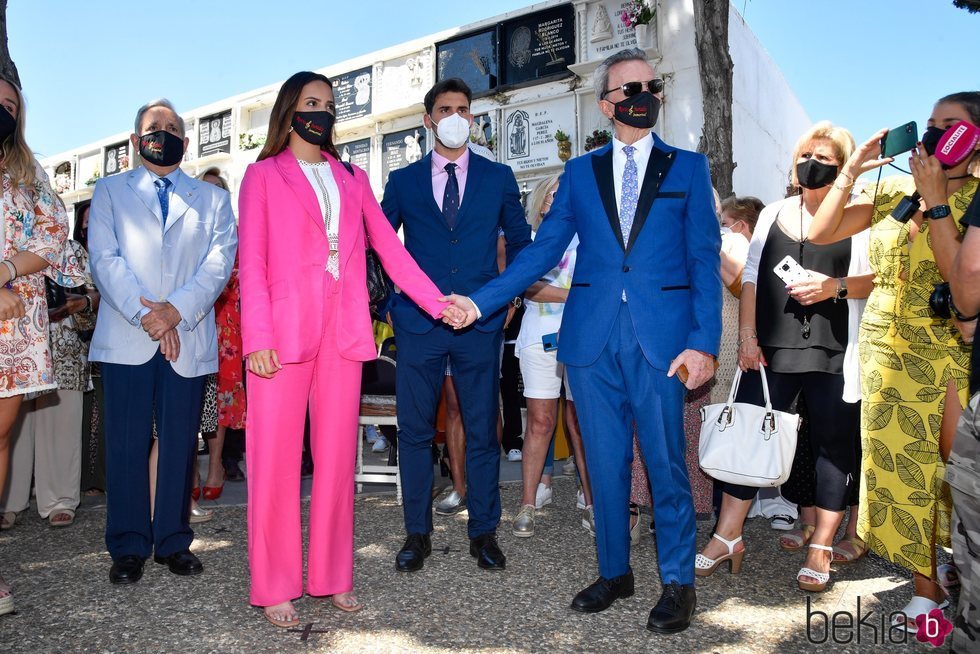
(619, 389)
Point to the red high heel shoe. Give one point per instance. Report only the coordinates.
(213, 492)
(195, 493)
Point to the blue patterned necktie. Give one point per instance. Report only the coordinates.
(630, 194)
(163, 193)
(450, 199)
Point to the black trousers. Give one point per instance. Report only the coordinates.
(835, 426)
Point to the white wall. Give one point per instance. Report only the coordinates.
(767, 118)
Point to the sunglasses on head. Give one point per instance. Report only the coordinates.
(630, 89)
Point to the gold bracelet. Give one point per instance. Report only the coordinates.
(746, 340)
(747, 329)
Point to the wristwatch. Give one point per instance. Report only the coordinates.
(841, 289)
(937, 212)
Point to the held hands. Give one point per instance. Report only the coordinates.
(817, 288)
(162, 318)
(170, 345)
(264, 363)
(930, 178)
(462, 312)
(700, 367)
(11, 306)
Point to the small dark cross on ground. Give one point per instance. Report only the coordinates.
(307, 630)
(446, 550)
(221, 530)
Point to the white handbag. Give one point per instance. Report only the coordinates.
(747, 444)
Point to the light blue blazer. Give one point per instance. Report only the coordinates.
(186, 263)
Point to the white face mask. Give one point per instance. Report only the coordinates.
(726, 230)
(453, 131)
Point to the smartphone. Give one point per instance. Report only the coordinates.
(790, 271)
(900, 139)
(550, 342)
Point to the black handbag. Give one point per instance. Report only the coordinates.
(54, 294)
(377, 280)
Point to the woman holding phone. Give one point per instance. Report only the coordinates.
(305, 222)
(914, 363)
(801, 332)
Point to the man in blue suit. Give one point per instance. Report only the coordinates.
(162, 246)
(645, 300)
(451, 205)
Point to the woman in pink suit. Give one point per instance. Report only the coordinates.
(305, 221)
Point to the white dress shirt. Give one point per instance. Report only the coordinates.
(322, 172)
(641, 156)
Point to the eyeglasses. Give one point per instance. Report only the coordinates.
(630, 89)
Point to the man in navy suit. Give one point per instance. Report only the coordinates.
(451, 205)
(645, 299)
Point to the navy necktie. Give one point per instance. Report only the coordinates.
(450, 199)
(163, 193)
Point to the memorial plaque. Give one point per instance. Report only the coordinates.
(357, 153)
(539, 45)
(529, 133)
(472, 58)
(399, 149)
(115, 159)
(214, 134)
(352, 94)
(403, 81)
(607, 33)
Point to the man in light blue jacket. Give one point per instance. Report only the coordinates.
(162, 246)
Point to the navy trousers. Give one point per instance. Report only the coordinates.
(132, 395)
(621, 387)
(475, 358)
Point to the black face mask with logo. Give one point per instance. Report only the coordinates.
(161, 148)
(7, 124)
(640, 110)
(812, 174)
(313, 126)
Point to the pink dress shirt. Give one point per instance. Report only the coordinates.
(440, 176)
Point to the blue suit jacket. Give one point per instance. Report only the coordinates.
(462, 259)
(669, 268)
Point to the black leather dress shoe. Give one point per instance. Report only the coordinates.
(674, 610)
(127, 570)
(412, 555)
(488, 555)
(181, 563)
(600, 595)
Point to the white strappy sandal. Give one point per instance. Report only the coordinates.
(823, 578)
(704, 567)
(918, 606)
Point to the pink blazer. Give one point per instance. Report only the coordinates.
(283, 257)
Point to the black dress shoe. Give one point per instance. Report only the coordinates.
(181, 563)
(412, 555)
(601, 594)
(232, 470)
(674, 610)
(127, 570)
(488, 555)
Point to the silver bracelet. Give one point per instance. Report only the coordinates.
(11, 269)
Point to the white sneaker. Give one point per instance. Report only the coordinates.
(580, 500)
(380, 445)
(371, 434)
(543, 496)
(514, 455)
(588, 520)
(569, 467)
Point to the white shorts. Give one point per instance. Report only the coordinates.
(543, 374)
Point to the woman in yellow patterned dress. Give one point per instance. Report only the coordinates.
(914, 364)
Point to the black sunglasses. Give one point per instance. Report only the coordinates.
(630, 89)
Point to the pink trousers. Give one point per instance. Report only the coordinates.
(274, 439)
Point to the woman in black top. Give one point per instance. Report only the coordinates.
(800, 332)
